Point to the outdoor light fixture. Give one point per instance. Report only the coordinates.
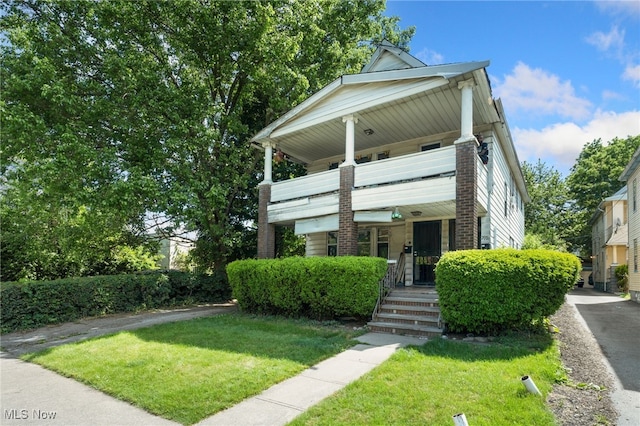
(368, 132)
(396, 214)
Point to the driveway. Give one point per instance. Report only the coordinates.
(615, 324)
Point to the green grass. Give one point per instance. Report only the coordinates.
(187, 371)
(429, 384)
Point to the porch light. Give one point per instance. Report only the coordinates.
(416, 213)
(396, 214)
(368, 132)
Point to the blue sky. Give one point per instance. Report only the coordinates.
(568, 72)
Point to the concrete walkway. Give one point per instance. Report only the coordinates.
(281, 403)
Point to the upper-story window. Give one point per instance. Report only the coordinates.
(635, 195)
(429, 146)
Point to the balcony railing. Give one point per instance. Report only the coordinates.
(407, 168)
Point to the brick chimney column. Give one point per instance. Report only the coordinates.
(348, 229)
(266, 230)
(466, 174)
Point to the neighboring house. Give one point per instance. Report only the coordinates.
(609, 239)
(172, 250)
(631, 175)
(403, 158)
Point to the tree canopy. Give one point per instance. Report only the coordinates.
(594, 177)
(548, 215)
(116, 109)
(560, 209)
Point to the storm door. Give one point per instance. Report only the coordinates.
(427, 237)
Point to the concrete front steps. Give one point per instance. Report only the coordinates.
(409, 311)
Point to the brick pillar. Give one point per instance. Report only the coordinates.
(348, 231)
(266, 230)
(466, 194)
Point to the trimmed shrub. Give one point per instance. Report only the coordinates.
(34, 304)
(314, 287)
(489, 291)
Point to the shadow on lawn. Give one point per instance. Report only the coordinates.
(503, 348)
(302, 341)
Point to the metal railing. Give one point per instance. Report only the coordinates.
(394, 276)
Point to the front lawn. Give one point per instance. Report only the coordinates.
(187, 371)
(427, 385)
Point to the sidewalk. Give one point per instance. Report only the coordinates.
(32, 395)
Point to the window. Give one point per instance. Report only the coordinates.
(506, 199)
(383, 155)
(383, 243)
(332, 243)
(635, 255)
(363, 159)
(635, 194)
(430, 146)
(364, 242)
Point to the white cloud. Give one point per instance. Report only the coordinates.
(627, 7)
(560, 144)
(614, 40)
(430, 57)
(611, 95)
(534, 90)
(632, 72)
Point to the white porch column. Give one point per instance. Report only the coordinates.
(466, 122)
(349, 154)
(268, 162)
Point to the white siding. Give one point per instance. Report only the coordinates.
(505, 227)
(634, 233)
(301, 209)
(419, 192)
(407, 167)
(305, 186)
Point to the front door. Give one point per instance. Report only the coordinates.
(426, 251)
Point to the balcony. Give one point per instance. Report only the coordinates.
(418, 181)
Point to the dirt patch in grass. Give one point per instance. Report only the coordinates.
(585, 400)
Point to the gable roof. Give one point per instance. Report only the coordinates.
(633, 165)
(407, 82)
(395, 98)
(389, 57)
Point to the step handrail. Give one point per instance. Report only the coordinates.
(390, 280)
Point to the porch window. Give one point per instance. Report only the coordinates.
(364, 242)
(383, 243)
(430, 146)
(332, 243)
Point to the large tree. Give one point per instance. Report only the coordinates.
(548, 215)
(594, 177)
(149, 105)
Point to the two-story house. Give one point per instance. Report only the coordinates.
(631, 175)
(609, 239)
(402, 159)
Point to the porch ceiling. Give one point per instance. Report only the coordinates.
(444, 209)
(430, 112)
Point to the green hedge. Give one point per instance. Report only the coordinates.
(34, 304)
(488, 291)
(313, 287)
